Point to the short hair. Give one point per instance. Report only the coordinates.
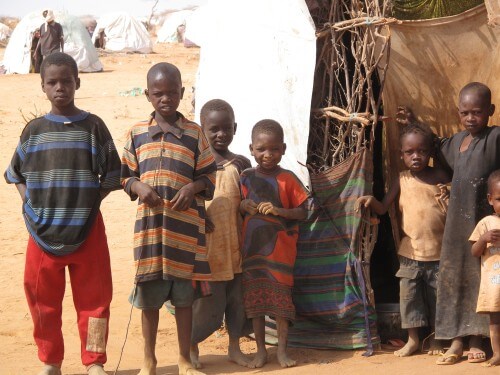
(268, 126)
(493, 179)
(216, 105)
(59, 59)
(418, 128)
(479, 88)
(163, 69)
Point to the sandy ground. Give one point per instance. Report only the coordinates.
(100, 94)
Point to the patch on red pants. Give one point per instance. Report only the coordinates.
(96, 335)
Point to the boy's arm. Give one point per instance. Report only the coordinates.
(374, 204)
(478, 247)
(21, 188)
(184, 197)
(267, 208)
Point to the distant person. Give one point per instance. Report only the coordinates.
(51, 36)
(168, 165)
(64, 166)
(36, 54)
(223, 228)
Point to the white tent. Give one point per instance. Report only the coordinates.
(168, 31)
(77, 43)
(4, 31)
(123, 33)
(260, 56)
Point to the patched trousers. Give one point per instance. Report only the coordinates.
(90, 276)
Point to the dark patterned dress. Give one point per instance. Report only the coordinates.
(270, 243)
(459, 272)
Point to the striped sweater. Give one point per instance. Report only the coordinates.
(169, 243)
(64, 162)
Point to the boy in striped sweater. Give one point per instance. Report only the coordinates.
(64, 165)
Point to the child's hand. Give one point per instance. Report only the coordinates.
(209, 226)
(267, 208)
(405, 116)
(492, 236)
(183, 199)
(147, 194)
(364, 201)
(443, 197)
(249, 206)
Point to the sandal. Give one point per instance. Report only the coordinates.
(448, 359)
(476, 357)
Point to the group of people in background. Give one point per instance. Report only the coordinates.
(217, 238)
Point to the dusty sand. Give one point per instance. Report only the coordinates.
(99, 93)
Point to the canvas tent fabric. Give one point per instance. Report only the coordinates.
(4, 32)
(77, 44)
(168, 32)
(265, 73)
(123, 33)
(426, 9)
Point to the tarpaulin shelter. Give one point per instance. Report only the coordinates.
(77, 43)
(5, 32)
(123, 33)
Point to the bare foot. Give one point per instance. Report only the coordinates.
(235, 355)
(456, 350)
(494, 361)
(259, 360)
(407, 350)
(50, 370)
(96, 369)
(186, 368)
(194, 355)
(284, 360)
(148, 368)
(435, 346)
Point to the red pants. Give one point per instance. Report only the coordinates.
(90, 275)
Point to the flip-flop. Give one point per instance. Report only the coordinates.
(488, 364)
(471, 357)
(448, 359)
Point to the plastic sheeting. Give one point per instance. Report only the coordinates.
(425, 9)
(123, 33)
(4, 31)
(77, 43)
(259, 56)
(430, 61)
(168, 32)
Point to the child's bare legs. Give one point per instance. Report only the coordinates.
(194, 356)
(149, 320)
(495, 338)
(411, 346)
(435, 346)
(260, 337)
(51, 369)
(283, 358)
(456, 349)
(183, 320)
(476, 353)
(234, 352)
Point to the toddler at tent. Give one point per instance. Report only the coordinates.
(273, 201)
(223, 227)
(64, 165)
(486, 244)
(168, 165)
(471, 155)
(422, 203)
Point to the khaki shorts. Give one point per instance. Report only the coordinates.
(152, 295)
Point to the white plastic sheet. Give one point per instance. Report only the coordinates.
(259, 56)
(77, 43)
